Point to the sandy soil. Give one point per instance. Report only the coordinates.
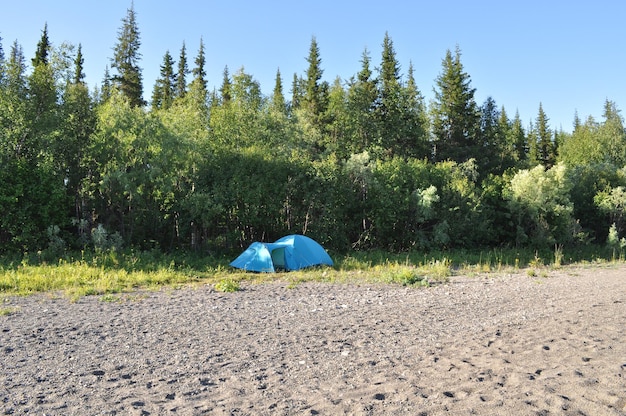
(488, 345)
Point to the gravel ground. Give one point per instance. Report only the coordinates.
(496, 344)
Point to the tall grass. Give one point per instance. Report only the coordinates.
(80, 278)
(114, 272)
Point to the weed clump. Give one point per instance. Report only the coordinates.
(227, 285)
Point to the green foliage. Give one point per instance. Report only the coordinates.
(612, 202)
(31, 198)
(597, 143)
(56, 245)
(103, 241)
(615, 244)
(588, 182)
(362, 163)
(541, 207)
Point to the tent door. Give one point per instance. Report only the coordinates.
(278, 258)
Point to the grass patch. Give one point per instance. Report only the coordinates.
(227, 285)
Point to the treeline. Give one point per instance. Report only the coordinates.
(357, 164)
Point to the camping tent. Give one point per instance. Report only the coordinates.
(292, 252)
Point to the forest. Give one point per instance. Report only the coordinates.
(361, 163)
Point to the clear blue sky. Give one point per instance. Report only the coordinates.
(570, 56)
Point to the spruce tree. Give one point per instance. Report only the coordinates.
(181, 75)
(297, 94)
(534, 158)
(490, 145)
(42, 99)
(16, 71)
(546, 149)
(412, 137)
(79, 62)
(576, 123)
(43, 49)
(278, 99)
(455, 117)
(517, 140)
(612, 135)
(198, 86)
(105, 91)
(315, 97)
(126, 60)
(2, 69)
(1, 53)
(361, 102)
(389, 78)
(388, 104)
(14, 120)
(199, 71)
(225, 89)
(77, 127)
(164, 87)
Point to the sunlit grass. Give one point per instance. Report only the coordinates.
(79, 278)
(109, 275)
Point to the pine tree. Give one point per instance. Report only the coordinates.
(612, 135)
(297, 94)
(278, 99)
(491, 143)
(181, 75)
(388, 115)
(361, 102)
(315, 97)
(546, 149)
(42, 99)
(577, 123)
(43, 49)
(199, 71)
(77, 127)
(534, 158)
(517, 140)
(14, 120)
(198, 86)
(105, 92)
(16, 71)
(2, 69)
(164, 87)
(126, 60)
(455, 117)
(412, 140)
(225, 89)
(389, 79)
(79, 62)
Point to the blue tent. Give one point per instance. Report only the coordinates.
(293, 252)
